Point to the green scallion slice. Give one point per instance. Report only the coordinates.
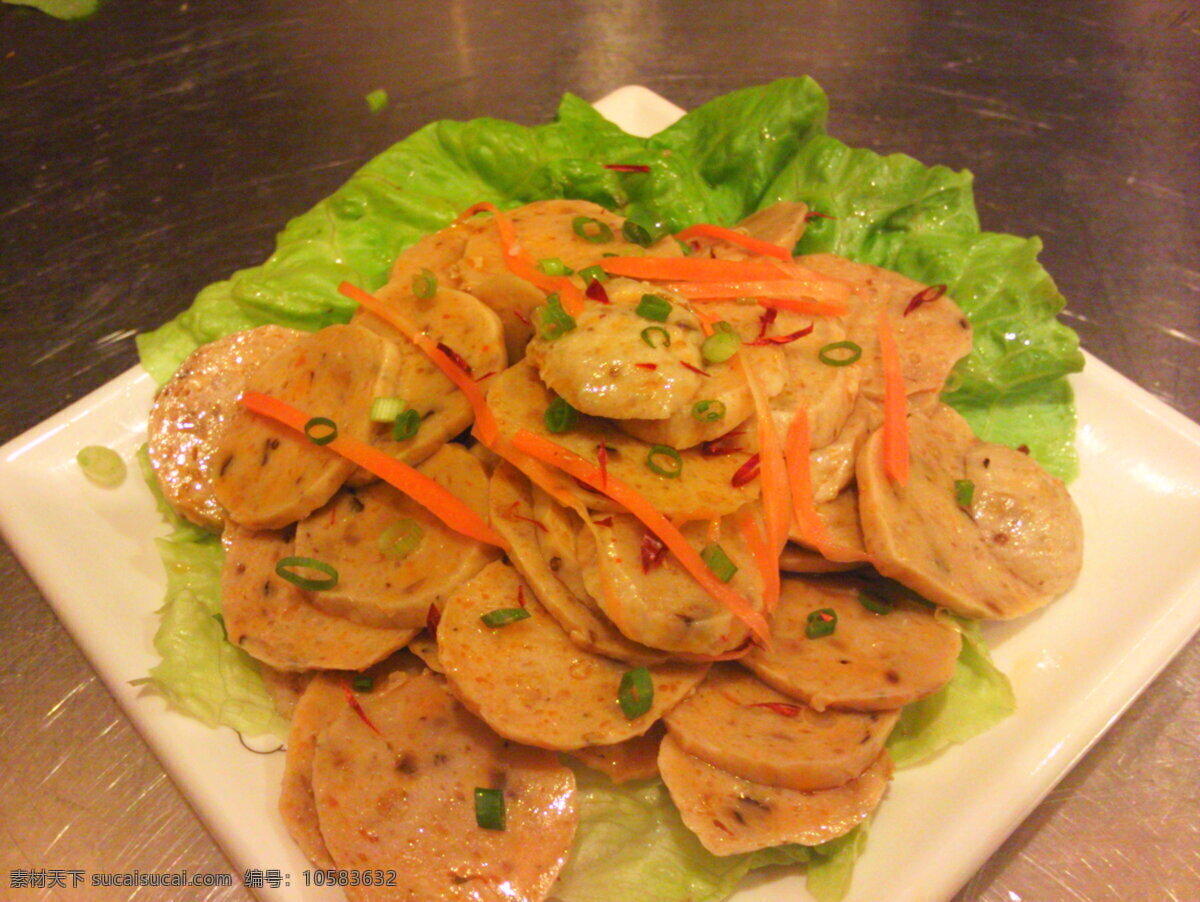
(400, 539)
(321, 430)
(592, 230)
(553, 266)
(636, 234)
(560, 416)
(424, 284)
(591, 274)
(406, 425)
(489, 808)
(363, 682)
(873, 604)
(821, 623)
(504, 616)
(840, 353)
(964, 492)
(650, 332)
(385, 410)
(636, 693)
(221, 620)
(553, 321)
(101, 465)
(708, 411)
(665, 461)
(287, 567)
(721, 345)
(654, 307)
(718, 562)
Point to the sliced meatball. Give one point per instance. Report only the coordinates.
(191, 410)
(530, 682)
(319, 706)
(1016, 545)
(702, 490)
(267, 476)
(843, 532)
(730, 815)
(652, 599)
(274, 621)
(543, 566)
(363, 534)
(395, 787)
(633, 759)
(798, 559)
(736, 722)
(870, 662)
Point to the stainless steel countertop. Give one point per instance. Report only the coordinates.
(160, 145)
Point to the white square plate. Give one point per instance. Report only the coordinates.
(1075, 666)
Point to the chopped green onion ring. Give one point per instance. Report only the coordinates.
(829, 354)
(560, 416)
(101, 465)
(400, 539)
(673, 464)
(650, 331)
(489, 808)
(424, 284)
(636, 234)
(385, 410)
(720, 346)
(654, 307)
(708, 411)
(591, 274)
(363, 682)
(323, 438)
(636, 693)
(821, 623)
(873, 604)
(553, 321)
(591, 230)
(504, 616)
(554, 266)
(964, 492)
(406, 425)
(718, 562)
(287, 566)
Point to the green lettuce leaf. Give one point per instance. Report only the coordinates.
(61, 9)
(977, 698)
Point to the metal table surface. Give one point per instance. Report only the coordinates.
(160, 145)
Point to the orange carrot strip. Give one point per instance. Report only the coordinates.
(768, 563)
(895, 406)
(773, 471)
(798, 448)
(485, 422)
(520, 264)
(551, 453)
(732, 236)
(825, 298)
(432, 496)
(691, 269)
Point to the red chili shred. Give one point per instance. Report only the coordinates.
(816, 214)
(521, 596)
(597, 292)
(602, 459)
(765, 321)
(487, 375)
(924, 296)
(432, 618)
(746, 472)
(646, 366)
(726, 444)
(454, 355)
(627, 167)
(358, 709)
(783, 339)
(779, 708)
(653, 551)
(607, 521)
(522, 317)
(694, 369)
(513, 515)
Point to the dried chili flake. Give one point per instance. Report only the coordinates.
(726, 444)
(783, 339)
(924, 296)
(607, 521)
(746, 472)
(765, 321)
(602, 459)
(627, 167)
(816, 214)
(653, 551)
(694, 369)
(512, 514)
(646, 366)
(358, 709)
(522, 317)
(521, 596)
(779, 708)
(455, 356)
(596, 291)
(432, 618)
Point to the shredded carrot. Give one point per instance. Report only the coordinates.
(521, 264)
(895, 405)
(485, 422)
(432, 496)
(797, 451)
(772, 472)
(732, 236)
(586, 472)
(768, 563)
(816, 298)
(691, 269)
